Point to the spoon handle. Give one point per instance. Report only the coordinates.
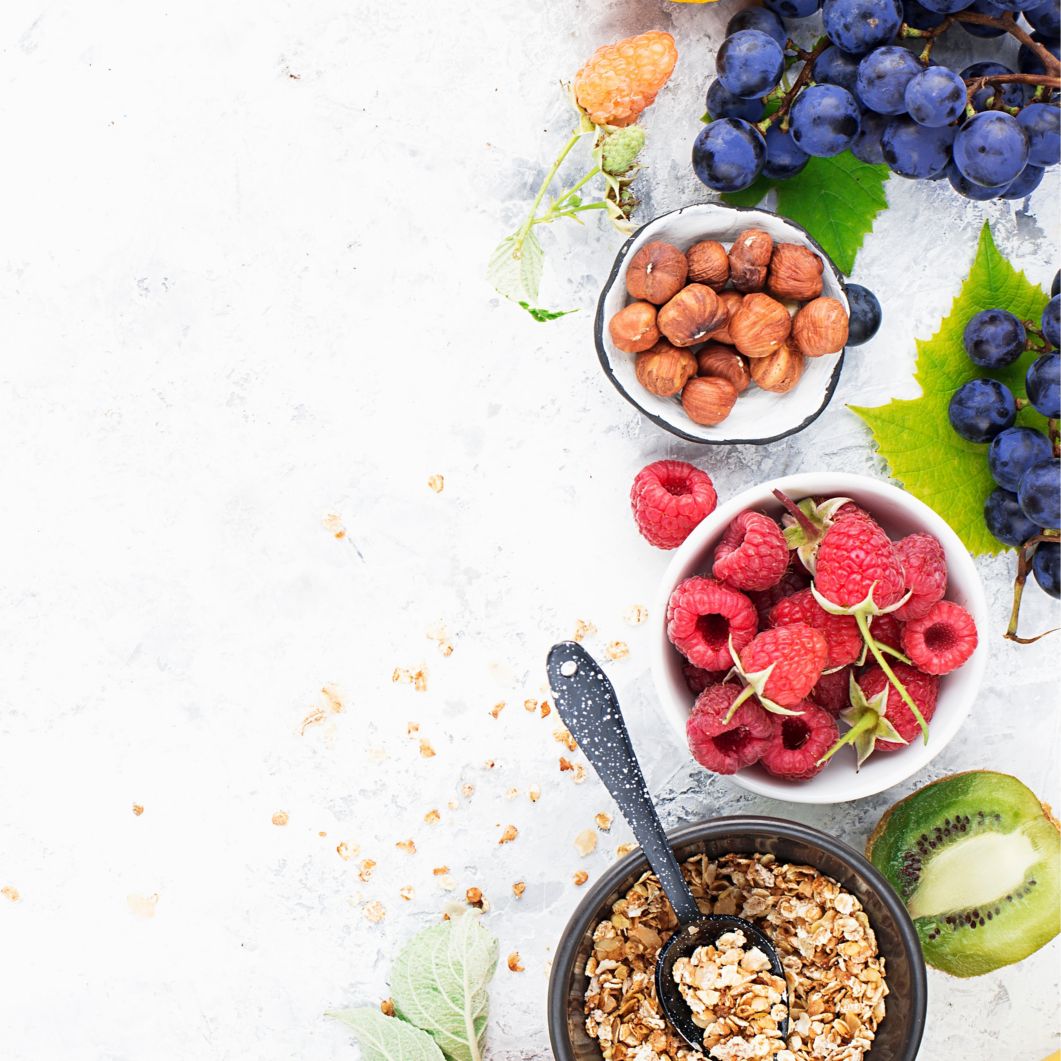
(587, 703)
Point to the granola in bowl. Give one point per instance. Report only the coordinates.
(836, 977)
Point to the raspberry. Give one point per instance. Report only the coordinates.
(702, 615)
(726, 747)
(669, 499)
(833, 691)
(806, 522)
(620, 80)
(858, 567)
(792, 581)
(924, 688)
(799, 742)
(752, 553)
(782, 665)
(887, 630)
(697, 679)
(925, 574)
(840, 631)
(942, 640)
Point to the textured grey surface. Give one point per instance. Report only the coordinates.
(242, 260)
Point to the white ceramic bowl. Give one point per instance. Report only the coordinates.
(900, 514)
(759, 416)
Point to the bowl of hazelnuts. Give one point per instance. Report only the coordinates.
(724, 325)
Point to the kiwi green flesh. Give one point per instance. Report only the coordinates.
(976, 860)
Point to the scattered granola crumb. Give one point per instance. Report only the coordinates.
(564, 737)
(333, 523)
(408, 846)
(586, 842)
(436, 482)
(489, 764)
(437, 633)
(426, 751)
(440, 871)
(474, 897)
(622, 850)
(580, 878)
(511, 793)
(467, 790)
(636, 614)
(519, 888)
(412, 728)
(584, 629)
(510, 834)
(367, 867)
(315, 717)
(447, 883)
(375, 912)
(604, 822)
(578, 774)
(617, 650)
(322, 833)
(452, 804)
(386, 1007)
(138, 809)
(497, 709)
(565, 765)
(530, 706)
(332, 698)
(11, 893)
(545, 709)
(280, 818)
(535, 793)
(432, 817)
(407, 892)
(514, 964)
(416, 678)
(347, 851)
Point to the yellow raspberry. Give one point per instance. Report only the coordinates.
(621, 80)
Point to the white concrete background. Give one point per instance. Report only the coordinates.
(242, 252)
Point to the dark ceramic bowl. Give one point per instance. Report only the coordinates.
(899, 1035)
(759, 416)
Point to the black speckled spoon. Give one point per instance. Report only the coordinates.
(587, 703)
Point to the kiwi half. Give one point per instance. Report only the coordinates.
(975, 857)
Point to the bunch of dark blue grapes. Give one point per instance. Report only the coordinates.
(1024, 464)
(988, 130)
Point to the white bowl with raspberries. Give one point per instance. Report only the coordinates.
(797, 692)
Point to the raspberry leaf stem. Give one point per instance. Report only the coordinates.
(878, 655)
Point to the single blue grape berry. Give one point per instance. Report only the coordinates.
(793, 8)
(1013, 452)
(1029, 179)
(935, 97)
(1042, 384)
(994, 338)
(1041, 123)
(824, 120)
(836, 67)
(916, 151)
(983, 7)
(919, 17)
(1051, 322)
(865, 315)
(981, 408)
(750, 64)
(1006, 520)
(867, 145)
(723, 104)
(1028, 61)
(965, 187)
(1046, 566)
(1045, 19)
(762, 20)
(1011, 93)
(728, 154)
(859, 26)
(991, 149)
(784, 158)
(882, 79)
(1039, 493)
(946, 7)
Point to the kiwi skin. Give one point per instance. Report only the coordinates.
(971, 942)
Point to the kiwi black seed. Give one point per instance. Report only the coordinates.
(977, 860)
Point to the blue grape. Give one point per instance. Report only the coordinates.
(793, 8)
(783, 158)
(867, 146)
(1005, 519)
(728, 154)
(762, 20)
(991, 149)
(983, 7)
(1030, 178)
(994, 338)
(865, 315)
(915, 151)
(1011, 94)
(859, 26)
(882, 79)
(965, 187)
(946, 7)
(1013, 452)
(824, 120)
(1041, 123)
(1051, 322)
(1046, 566)
(750, 64)
(981, 408)
(723, 104)
(919, 17)
(1039, 493)
(1045, 19)
(1043, 384)
(935, 97)
(836, 67)
(1028, 62)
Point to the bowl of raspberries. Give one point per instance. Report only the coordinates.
(819, 633)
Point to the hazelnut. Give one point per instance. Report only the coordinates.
(656, 272)
(692, 313)
(749, 258)
(731, 300)
(821, 327)
(708, 264)
(633, 328)
(714, 359)
(795, 272)
(708, 400)
(664, 369)
(759, 326)
(779, 372)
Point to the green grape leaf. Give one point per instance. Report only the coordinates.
(387, 1038)
(914, 436)
(835, 199)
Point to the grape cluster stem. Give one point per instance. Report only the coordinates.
(1025, 554)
